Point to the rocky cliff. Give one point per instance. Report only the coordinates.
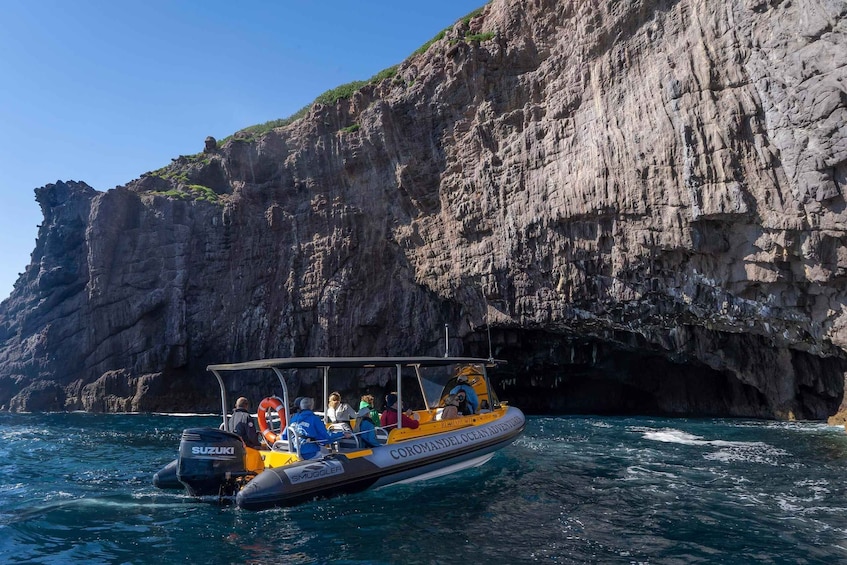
(644, 199)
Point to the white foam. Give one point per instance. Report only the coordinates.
(750, 452)
(674, 436)
(725, 452)
(637, 471)
(670, 435)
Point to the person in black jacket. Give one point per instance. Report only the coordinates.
(242, 424)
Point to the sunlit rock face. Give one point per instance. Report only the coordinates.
(644, 200)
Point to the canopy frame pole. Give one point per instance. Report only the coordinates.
(224, 403)
(399, 396)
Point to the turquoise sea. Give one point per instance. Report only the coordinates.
(76, 488)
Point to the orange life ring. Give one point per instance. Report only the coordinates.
(266, 405)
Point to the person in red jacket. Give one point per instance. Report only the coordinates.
(389, 416)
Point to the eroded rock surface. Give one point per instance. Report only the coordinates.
(645, 199)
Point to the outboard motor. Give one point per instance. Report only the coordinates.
(210, 462)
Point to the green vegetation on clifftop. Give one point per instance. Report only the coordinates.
(346, 90)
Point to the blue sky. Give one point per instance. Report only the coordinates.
(102, 91)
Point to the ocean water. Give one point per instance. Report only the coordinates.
(76, 488)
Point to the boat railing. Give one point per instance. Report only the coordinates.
(354, 443)
(382, 433)
(295, 439)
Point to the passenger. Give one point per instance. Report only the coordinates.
(368, 401)
(451, 408)
(367, 430)
(310, 427)
(462, 404)
(242, 424)
(470, 394)
(389, 417)
(338, 412)
(295, 409)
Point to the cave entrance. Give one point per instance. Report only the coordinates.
(554, 374)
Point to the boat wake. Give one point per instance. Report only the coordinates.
(123, 504)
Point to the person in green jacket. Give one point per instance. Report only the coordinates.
(368, 402)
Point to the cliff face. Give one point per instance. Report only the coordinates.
(645, 200)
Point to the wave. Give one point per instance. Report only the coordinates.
(726, 451)
(671, 435)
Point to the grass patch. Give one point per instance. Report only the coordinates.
(178, 176)
(384, 74)
(425, 47)
(172, 193)
(327, 98)
(168, 173)
(339, 92)
(347, 90)
(480, 36)
(252, 132)
(351, 129)
(467, 19)
(193, 192)
(203, 192)
(201, 158)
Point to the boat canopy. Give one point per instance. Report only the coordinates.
(350, 362)
(326, 363)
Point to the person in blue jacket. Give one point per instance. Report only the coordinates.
(367, 430)
(462, 385)
(295, 409)
(311, 431)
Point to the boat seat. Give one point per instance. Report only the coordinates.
(349, 444)
(381, 434)
(343, 444)
(295, 437)
(280, 445)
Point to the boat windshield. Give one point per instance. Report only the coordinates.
(433, 381)
(438, 382)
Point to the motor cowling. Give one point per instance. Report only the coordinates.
(166, 477)
(210, 461)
